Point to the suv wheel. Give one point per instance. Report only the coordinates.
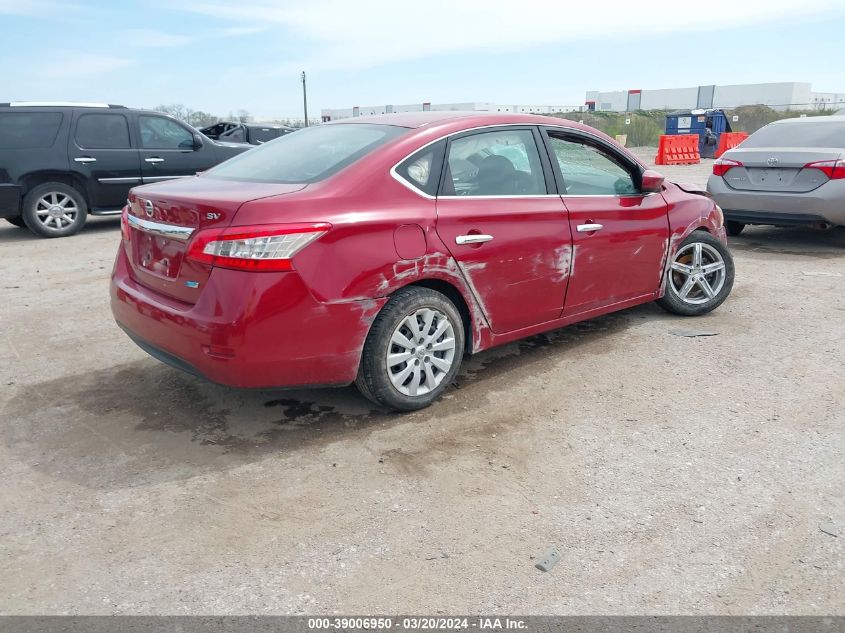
(54, 210)
(700, 277)
(413, 351)
(17, 221)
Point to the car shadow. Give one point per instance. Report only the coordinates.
(10, 234)
(143, 422)
(771, 240)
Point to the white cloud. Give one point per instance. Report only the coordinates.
(237, 31)
(366, 33)
(154, 39)
(70, 65)
(34, 7)
(151, 38)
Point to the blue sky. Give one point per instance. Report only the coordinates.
(221, 56)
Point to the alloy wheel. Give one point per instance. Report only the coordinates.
(56, 210)
(421, 352)
(697, 273)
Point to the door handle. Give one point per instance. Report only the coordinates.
(85, 159)
(474, 238)
(589, 228)
(154, 159)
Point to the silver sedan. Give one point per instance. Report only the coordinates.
(788, 173)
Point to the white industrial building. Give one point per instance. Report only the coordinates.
(333, 114)
(779, 96)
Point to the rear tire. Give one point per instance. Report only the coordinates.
(413, 351)
(733, 227)
(17, 221)
(54, 209)
(700, 276)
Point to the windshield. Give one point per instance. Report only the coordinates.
(308, 155)
(825, 134)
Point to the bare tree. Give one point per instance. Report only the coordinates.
(197, 118)
(177, 110)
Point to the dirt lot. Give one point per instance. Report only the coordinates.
(675, 475)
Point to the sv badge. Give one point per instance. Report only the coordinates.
(212, 216)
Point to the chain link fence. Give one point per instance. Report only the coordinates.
(645, 126)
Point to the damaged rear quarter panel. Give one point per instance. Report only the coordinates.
(357, 259)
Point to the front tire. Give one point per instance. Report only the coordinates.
(700, 276)
(413, 351)
(54, 209)
(733, 227)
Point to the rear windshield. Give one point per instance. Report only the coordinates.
(307, 155)
(22, 130)
(799, 134)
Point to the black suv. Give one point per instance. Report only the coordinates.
(59, 162)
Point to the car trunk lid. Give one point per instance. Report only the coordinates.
(164, 217)
(777, 169)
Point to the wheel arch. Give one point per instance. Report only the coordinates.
(454, 295)
(33, 179)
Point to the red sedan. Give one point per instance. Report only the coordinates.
(381, 250)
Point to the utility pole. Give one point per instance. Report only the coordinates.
(304, 99)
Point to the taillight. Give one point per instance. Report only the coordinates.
(833, 169)
(724, 165)
(124, 224)
(261, 248)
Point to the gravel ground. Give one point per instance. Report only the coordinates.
(674, 475)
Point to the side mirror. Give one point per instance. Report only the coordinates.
(652, 182)
(197, 141)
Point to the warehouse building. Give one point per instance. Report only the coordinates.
(333, 114)
(779, 96)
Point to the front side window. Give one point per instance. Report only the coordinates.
(24, 130)
(160, 133)
(495, 164)
(308, 156)
(102, 131)
(589, 171)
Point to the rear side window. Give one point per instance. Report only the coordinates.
(827, 134)
(23, 130)
(308, 156)
(504, 163)
(102, 131)
(422, 170)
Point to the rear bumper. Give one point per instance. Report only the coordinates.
(777, 219)
(10, 201)
(254, 330)
(160, 354)
(825, 204)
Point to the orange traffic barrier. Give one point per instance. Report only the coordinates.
(678, 149)
(729, 140)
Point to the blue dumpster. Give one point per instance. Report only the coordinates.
(708, 124)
